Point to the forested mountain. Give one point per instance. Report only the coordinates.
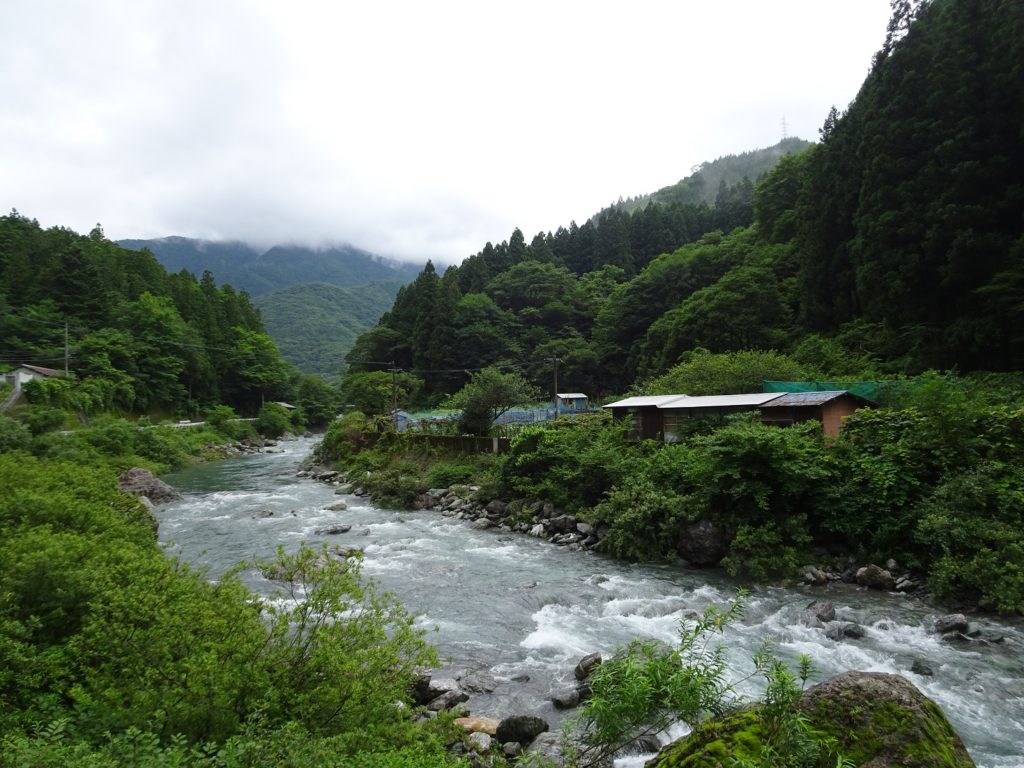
(896, 240)
(260, 271)
(315, 324)
(140, 340)
(709, 178)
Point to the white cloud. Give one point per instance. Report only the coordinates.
(407, 128)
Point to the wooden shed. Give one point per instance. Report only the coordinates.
(717, 407)
(830, 408)
(571, 402)
(646, 418)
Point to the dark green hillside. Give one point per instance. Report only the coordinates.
(264, 271)
(897, 243)
(705, 183)
(315, 324)
(139, 340)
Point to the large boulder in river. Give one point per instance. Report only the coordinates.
(878, 721)
(703, 543)
(875, 577)
(141, 482)
(521, 728)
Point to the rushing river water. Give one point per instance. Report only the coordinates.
(509, 606)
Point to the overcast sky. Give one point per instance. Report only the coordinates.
(411, 129)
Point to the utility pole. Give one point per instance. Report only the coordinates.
(394, 396)
(785, 135)
(67, 351)
(554, 395)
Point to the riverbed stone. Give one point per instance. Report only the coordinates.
(814, 576)
(586, 666)
(921, 667)
(141, 482)
(952, 622)
(447, 700)
(521, 728)
(488, 725)
(842, 630)
(332, 530)
(875, 577)
(818, 613)
(482, 524)
(567, 698)
(548, 746)
(703, 543)
(479, 742)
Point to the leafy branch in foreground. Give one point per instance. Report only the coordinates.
(647, 686)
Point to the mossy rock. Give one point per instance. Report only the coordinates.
(877, 721)
(721, 742)
(882, 720)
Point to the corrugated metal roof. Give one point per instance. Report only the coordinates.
(807, 398)
(647, 401)
(571, 395)
(721, 401)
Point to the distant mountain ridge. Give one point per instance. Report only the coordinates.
(703, 184)
(264, 271)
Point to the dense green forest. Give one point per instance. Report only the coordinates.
(136, 339)
(316, 324)
(893, 246)
(709, 178)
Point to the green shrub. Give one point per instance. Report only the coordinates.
(449, 473)
(13, 435)
(273, 420)
(41, 419)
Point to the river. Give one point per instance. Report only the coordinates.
(511, 607)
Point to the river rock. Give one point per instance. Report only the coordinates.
(884, 720)
(486, 725)
(332, 530)
(263, 513)
(496, 508)
(703, 543)
(953, 622)
(921, 667)
(875, 577)
(447, 700)
(512, 749)
(482, 524)
(537, 530)
(521, 728)
(479, 742)
(841, 630)
(141, 482)
(586, 666)
(563, 524)
(548, 746)
(477, 681)
(338, 506)
(566, 699)
(814, 576)
(818, 613)
(878, 720)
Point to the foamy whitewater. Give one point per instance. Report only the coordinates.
(515, 607)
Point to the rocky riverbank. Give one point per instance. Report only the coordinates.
(572, 533)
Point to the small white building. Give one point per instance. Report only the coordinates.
(24, 373)
(571, 402)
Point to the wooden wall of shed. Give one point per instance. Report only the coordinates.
(833, 413)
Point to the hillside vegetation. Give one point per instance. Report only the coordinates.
(316, 324)
(893, 246)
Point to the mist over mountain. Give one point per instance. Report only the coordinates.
(260, 271)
